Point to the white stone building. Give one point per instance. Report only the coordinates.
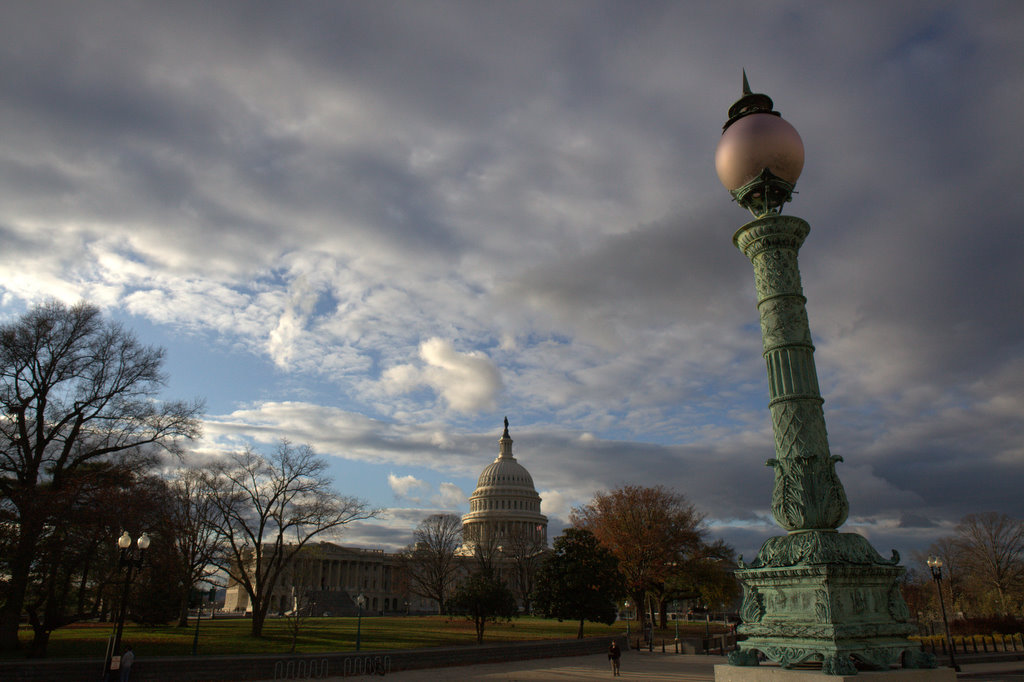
(505, 507)
(504, 516)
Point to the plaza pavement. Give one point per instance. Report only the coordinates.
(638, 665)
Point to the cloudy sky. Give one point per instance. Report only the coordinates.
(380, 227)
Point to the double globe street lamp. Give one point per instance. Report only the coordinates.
(130, 560)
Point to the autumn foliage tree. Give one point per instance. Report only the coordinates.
(704, 575)
(648, 529)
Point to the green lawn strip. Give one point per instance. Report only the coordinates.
(318, 635)
(231, 636)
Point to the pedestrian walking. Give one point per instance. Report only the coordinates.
(126, 663)
(614, 655)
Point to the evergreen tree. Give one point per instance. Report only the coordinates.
(579, 580)
(483, 598)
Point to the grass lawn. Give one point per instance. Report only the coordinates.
(231, 635)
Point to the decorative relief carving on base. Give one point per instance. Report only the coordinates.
(753, 605)
(918, 658)
(838, 664)
(897, 606)
(819, 547)
(744, 657)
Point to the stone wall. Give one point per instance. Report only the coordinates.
(306, 666)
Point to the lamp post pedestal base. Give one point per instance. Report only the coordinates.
(839, 615)
(730, 673)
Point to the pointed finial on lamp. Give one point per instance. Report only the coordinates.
(750, 103)
(759, 159)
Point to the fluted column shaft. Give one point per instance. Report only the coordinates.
(807, 494)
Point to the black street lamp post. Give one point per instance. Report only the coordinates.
(130, 560)
(935, 564)
(199, 616)
(360, 603)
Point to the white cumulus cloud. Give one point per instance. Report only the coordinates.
(450, 496)
(467, 382)
(406, 487)
(283, 339)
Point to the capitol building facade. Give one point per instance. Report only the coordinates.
(504, 520)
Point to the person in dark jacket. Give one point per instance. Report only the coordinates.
(614, 655)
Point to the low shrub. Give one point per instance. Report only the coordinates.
(1003, 625)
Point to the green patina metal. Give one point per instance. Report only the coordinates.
(814, 594)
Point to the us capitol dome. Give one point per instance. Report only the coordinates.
(504, 510)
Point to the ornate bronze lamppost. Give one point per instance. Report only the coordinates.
(814, 594)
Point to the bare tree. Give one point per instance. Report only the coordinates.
(955, 577)
(487, 549)
(992, 549)
(268, 509)
(430, 560)
(76, 392)
(302, 608)
(189, 516)
(524, 549)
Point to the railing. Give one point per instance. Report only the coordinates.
(968, 645)
(300, 669)
(366, 665)
(719, 644)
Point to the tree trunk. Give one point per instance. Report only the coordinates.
(183, 613)
(17, 586)
(638, 607)
(40, 635)
(258, 616)
(579, 633)
(40, 640)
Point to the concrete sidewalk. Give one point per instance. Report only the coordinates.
(638, 665)
(635, 666)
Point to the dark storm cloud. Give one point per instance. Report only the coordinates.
(680, 269)
(156, 110)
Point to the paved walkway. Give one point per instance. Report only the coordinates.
(637, 666)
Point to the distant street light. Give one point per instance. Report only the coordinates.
(360, 603)
(199, 616)
(935, 564)
(628, 618)
(129, 560)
